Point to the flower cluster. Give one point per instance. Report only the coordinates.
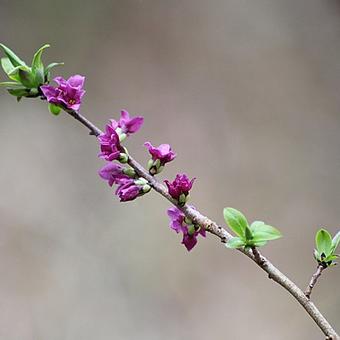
(129, 185)
(110, 143)
(67, 94)
(160, 156)
(129, 125)
(190, 231)
(116, 132)
(180, 187)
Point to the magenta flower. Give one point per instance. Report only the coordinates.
(109, 142)
(129, 187)
(180, 187)
(163, 152)
(113, 173)
(189, 230)
(68, 93)
(176, 219)
(129, 125)
(128, 190)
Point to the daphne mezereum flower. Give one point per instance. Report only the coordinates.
(109, 142)
(128, 190)
(190, 232)
(162, 152)
(113, 173)
(180, 187)
(68, 93)
(129, 125)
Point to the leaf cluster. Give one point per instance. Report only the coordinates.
(24, 81)
(255, 235)
(326, 247)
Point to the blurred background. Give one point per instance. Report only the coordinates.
(246, 92)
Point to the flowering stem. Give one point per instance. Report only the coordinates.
(220, 232)
(313, 280)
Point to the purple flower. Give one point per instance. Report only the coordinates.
(68, 93)
(128, 190)
(190, 231)
(109, 142)
(129, 125)
(129, 187)
(163, 152)
(180, 187)
(113, 173)
(176, 219)
(190, 240)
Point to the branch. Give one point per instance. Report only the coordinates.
(313, 280)
(224, 236)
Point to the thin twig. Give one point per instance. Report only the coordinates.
(220, 232)
(93, 129)
(313, 280)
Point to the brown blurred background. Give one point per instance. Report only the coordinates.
(246, 92)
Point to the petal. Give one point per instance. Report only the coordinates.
(113, 124)
(148, 145)
(174, 213)
(109, 170)
(76, 81)
(74, 107)
(124, 115)
(60, 80)
(175, 225)
(134, 124)
(189, 241)
(113, 156)
(49, 92)
(164, 149)
(202, 232)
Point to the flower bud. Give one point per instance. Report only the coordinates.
(123, 158)
(129, 172)
(146, 188)
(141, 181)
(182, 199)
(187, 220)
(54, 109)
(191, 229)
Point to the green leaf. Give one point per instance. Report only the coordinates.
(256, 225)
(248, 234)
(331, 258)
(335, 241)
(26, 78)
(22, 92)
(258, 243)
(264, 232)
(9, 68)
(323, 241)
(10, 84)
(50, 66)
(236, 221)
(38, 66)
(47, 73)
(14, 74)
(6, 65)
(235, 242)
(15, 60)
